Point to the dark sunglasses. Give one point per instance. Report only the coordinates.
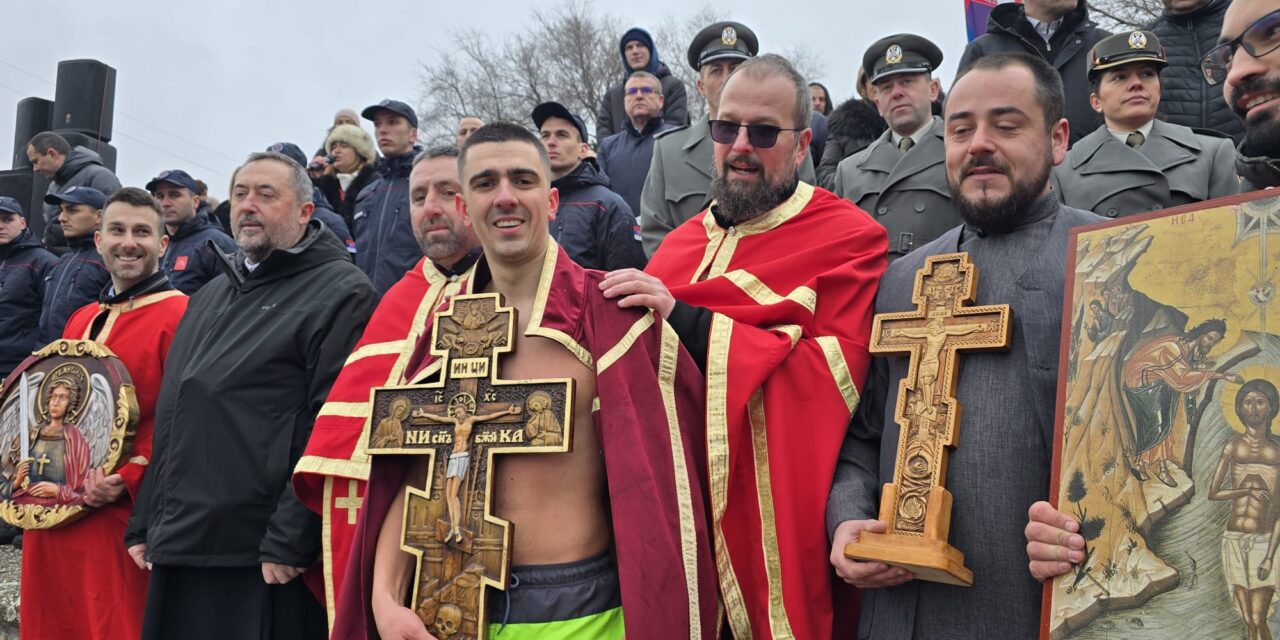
(1262, 37)
(644, 91)
(761, 136)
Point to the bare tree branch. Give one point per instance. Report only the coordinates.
(569, 54)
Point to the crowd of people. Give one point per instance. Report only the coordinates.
(707, 280)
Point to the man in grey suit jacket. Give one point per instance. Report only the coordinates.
(1006, 129)
(1135, 163)
(900, 179)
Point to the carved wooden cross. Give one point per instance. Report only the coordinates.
(916, 506)
(461, 421)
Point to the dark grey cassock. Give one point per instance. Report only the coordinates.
(905, 192)
(1174, 166)
(1002, 459)
(680, 178)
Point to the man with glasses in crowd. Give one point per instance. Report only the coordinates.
(783, 311)
(1247, 66)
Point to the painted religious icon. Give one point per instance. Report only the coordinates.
(1166, 447)
(66, 410)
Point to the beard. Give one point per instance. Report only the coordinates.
(737, 203)
(1000, 215)
(1262, 131)
(439, 248)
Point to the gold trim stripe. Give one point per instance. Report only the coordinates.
(839, 370)
(326, 538)
(718, 469)
(667, 360)
(375, 349)
(140, 460)
(792, 331)
(535, 327)
(779, 625)
(333, 467)
(431, 370)
(618, 350)
(595, 404)
(344, 410)
(762, 294)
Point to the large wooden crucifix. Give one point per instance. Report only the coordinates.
(460, 422)
(916, 505)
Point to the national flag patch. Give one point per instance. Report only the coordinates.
(351, 245)
(635, 230)
(180, 264)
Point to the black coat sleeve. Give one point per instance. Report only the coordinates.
(617, 237)
(693, 326)
(293, 532)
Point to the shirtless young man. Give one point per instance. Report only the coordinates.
(559, 505)
(1251, 463)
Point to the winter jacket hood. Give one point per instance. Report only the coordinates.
(314, 249)
(78, 159)
(636, 33)
(586, 174)
(25, 240)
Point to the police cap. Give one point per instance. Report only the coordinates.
(1125, 48)
(723, 40)
(901, 53)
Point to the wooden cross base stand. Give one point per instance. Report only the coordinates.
(928, 557)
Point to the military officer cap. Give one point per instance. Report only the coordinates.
(723, 40)
(901, 53)
(1125, 48)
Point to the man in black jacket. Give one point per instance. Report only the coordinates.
(1246, 66)
(53, 157)
(593, 224)
(1059, 31)
(1189, 29)
(640, 54)
(79, 275)
(626, 155)
(248, 370)
(385, 247)
(23, 265)
(194, 240)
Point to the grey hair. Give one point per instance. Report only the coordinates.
(439, 151)
(299, 182)
(772, 64)
(646, 76)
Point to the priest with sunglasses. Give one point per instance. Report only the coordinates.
(771, 290)
(1246, 64)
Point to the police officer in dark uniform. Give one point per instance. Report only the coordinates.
(901, 178)
(1135, 163)
(680, 173)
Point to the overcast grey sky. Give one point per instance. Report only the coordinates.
(200, 85)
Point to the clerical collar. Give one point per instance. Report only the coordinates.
(460, 267)
(916, 136)
(1044, 206)
(1123, 136)
(153, 283)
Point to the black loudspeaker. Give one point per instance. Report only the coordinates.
(108, 152)
(34, 115)
(85, 99)
(26, 187)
